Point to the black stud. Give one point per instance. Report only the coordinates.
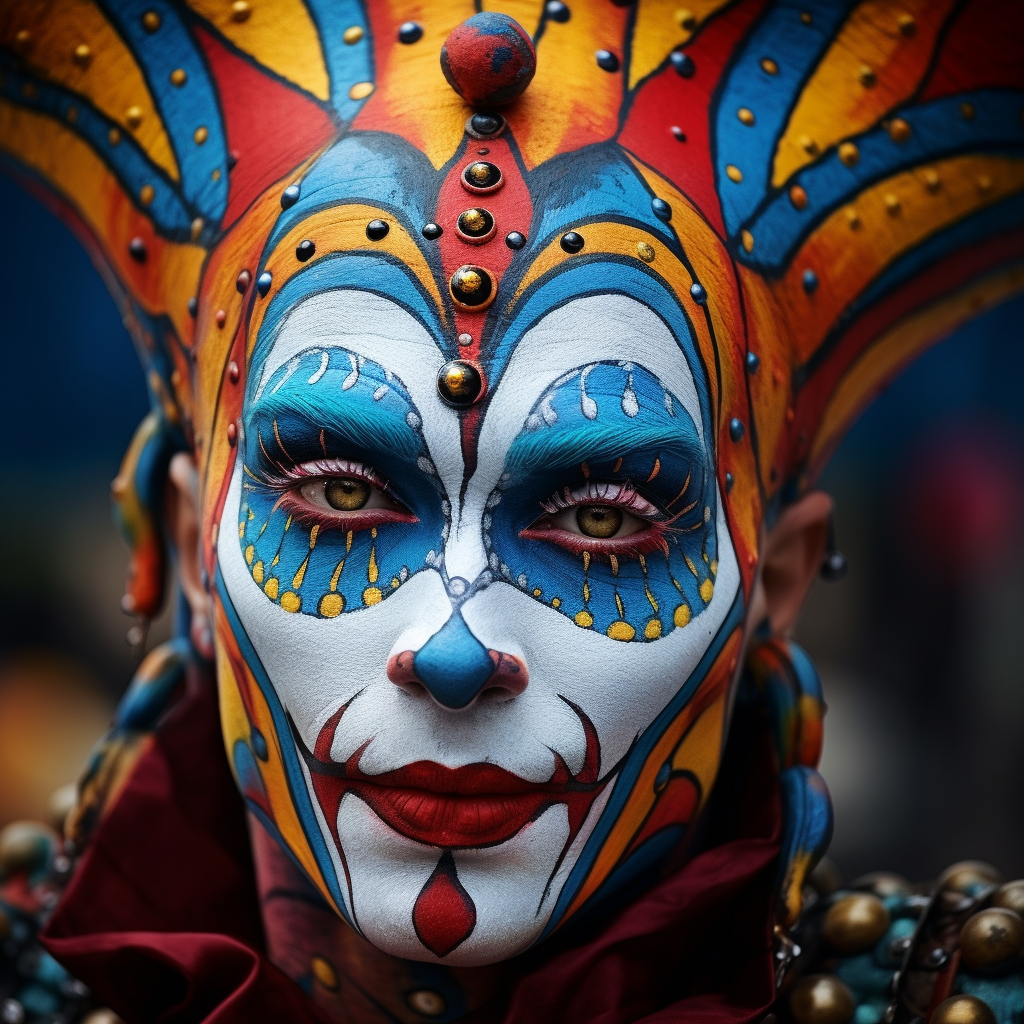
(729, 481)
(475, 225)
(683, 63)
(753, 362)
(661, 209)
(263, 282)
(736, 429)
(481, 176)
(410, 32)
(557, 11)
(232, 160)
(572, 242)
(377, 229)
(137, 250)
(304, 250)
(289, 197)
(810, 280)
(431, 230)
(459, 383)
(698, 294)
(193, 307)
(515, 240)
(835, 566)
(485, 126)
(472, 287)
(607, 61)
(678, 134)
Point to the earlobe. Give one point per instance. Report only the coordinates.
(793, 552)
(183, 532)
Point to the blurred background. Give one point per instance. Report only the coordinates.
(921, 648)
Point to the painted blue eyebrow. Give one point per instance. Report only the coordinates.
(595, 442)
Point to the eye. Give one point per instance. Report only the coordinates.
(345, 494)
(601, 522)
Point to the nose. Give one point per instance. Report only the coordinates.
(455, 669)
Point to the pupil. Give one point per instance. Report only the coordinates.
(598, 520)
(346, 495)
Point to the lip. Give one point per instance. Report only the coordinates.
(474, 805)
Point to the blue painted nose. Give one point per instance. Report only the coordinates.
(453, 665)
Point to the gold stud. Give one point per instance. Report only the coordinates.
(866, 76)
(687, 19)
(855, 923)
(966, 876)
(967, 111)
(146, 194)
(892, 204)
(798, 197)
(849, 154)
(645, 251)
(992, 940)
(733, 173)
(178, 77)
(151, 21)
(352, 34)
(747, 240)
(962, 1010)
(821, 999)
(133, 117)
(201, 134)
(22, 39)
(324, 973)
(808, 145)
(932, 180)
(746, 116)
(899, 130)
(240, 11)
(907, 25)
(360, 90)
(82, 55)
(215, 174)
(769, 66)
(1010, 896)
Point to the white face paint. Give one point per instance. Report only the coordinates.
(467, 867)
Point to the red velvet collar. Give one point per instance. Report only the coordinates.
(161, 918)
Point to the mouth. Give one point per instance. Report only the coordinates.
(475, 805)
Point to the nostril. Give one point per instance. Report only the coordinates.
(508, 678)
(401, 671)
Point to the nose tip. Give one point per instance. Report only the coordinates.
(456, 670)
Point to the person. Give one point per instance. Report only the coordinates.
(492, 363)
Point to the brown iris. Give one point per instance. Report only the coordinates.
(346, 494)
(598, 520)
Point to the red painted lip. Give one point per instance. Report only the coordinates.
(475, 805)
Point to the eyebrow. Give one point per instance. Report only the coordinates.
(591, 442)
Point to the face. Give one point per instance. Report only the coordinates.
(475, 662)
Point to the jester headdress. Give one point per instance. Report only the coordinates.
(805, 196)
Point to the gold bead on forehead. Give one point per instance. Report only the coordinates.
(460, 383)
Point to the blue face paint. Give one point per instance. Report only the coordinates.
(610, 423)
(331, 407)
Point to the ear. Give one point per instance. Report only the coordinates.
(182, 512)
(792, 553)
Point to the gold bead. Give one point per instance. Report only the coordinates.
(23, 844)
(196, 229)
(324, 973)
(962, 1010)
(645, 251)
(769, 66)
(931, 180)
(22, 39)
(151, 21)
(360, 90)
(146, 194)
(1010, 896)
(133, 116)
(855, 922)
(746, 116)
(852, 217)
(967, 875)
(821, 999)
(991, 940)
(426, 1002)
(178, 77)
(798, 197)
(907, 25)
(733, 173)
(899, 130)
(82, 55)
(892, 203)
(201, 134)
(806, 18)
(849, 154)
(687, 19)
(352, 35)
(866, 76)
(808, 145)
(240, 10)
(747, 239)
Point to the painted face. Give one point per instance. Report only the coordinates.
(475, 661)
